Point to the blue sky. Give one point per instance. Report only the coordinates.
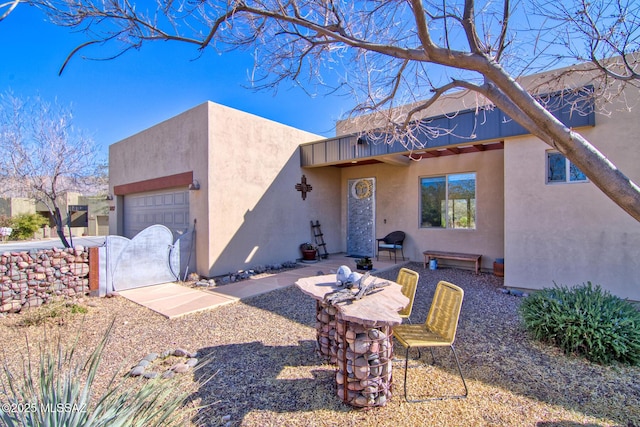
(114, 99)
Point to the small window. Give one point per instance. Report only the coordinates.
(448, 201)
(560, 169)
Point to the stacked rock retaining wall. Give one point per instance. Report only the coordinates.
(30, 279)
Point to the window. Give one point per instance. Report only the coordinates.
(560, 169)
(448, 201)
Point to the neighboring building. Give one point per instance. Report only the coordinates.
(12, 206)
(503, 193)
(89, 214)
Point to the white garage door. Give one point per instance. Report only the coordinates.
(167, 207)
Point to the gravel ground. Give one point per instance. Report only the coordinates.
(263, 370)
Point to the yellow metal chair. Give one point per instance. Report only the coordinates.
(409, 281)
(439, 330)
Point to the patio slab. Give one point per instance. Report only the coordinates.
(174, 300)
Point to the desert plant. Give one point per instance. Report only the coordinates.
(56, 310)
(585, 320)
(60, 394)
(25, 225)
(364, 262)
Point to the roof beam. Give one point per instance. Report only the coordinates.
(396, 160)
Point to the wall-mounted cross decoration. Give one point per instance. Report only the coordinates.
(303, 187)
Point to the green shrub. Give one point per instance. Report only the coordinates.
(585, 320)
(59, 393)
(25, 225)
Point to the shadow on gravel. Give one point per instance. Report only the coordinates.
(254, 377)
(498, 360)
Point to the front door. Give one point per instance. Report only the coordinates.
(361, 217)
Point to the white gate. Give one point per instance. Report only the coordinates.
(150, 258)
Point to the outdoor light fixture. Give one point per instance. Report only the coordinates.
(109, 197)
(195, 185)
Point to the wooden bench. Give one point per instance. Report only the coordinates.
(452, 255)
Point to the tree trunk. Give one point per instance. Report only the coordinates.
(515, 101)
(524, 109)
(57, 218)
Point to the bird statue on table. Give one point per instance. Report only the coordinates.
(352, 286)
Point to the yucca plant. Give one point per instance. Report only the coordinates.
(61, 394)
(585, 320)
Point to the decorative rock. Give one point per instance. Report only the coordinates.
(180, 368)
(350, 336)
(205, 283)
(144, 363)
(137, 371)
(361, 368)
(168, 374)
(360, 345)
(180, 352)
(150, 375)
(39, 274)
(151, 357)
(376, 334)
(360, 401)
(34, 302)
(11, 307)
(192, 362)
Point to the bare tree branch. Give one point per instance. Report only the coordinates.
(43, 156)
(7, 8)
(408, 53)
(502, 40)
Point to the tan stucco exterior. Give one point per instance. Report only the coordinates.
(563, 233)
(12, 206)
(398, 198)
(572, 233)
(247, 210)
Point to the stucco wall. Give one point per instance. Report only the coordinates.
(568, 233)
(175, 146)
(12, 206)
(256, 216)
(247, 210)
(398, 198)
(572, 233)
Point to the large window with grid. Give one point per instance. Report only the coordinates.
(448, 201)
(561, 170)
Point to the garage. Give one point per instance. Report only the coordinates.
(169, 207)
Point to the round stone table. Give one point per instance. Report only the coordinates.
(356, 335)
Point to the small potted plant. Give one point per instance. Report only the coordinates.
(309, 251)
(364, 263)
